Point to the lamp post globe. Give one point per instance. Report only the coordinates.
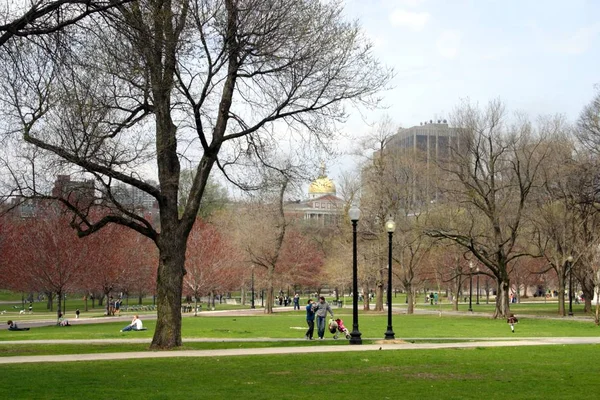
(390, 227)
(355, 335)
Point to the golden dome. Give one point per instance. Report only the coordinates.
(322, 185)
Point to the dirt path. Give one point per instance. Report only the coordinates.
(284, 350)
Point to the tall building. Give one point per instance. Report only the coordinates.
(431, 141)
(418, 151)
(133, 197)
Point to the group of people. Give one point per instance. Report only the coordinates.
(319, 310)
(114, 306)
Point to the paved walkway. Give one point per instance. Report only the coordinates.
(468, 343)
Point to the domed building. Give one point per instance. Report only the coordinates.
(322, 207)
(321, 186)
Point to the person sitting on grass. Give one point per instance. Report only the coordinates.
(12, 326)
(136, 325)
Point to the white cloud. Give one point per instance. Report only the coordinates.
(448, 43)
(412, 20)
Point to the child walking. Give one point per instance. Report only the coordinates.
(512, 320)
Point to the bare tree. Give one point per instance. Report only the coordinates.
(212, 81)
(48, 16)
(588, 132)
(493, 167)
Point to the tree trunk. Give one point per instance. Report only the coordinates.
(587, 288)
(366, 300)
(502, 304)
(243, 294)
(270, 292)
(457, 295)
(561, 295)
(169, 287)
(379, 292)
(597, 316)
(49, 305)
(59, 298)
(410, 295)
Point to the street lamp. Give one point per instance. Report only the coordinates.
(354, 214)
(252, 289)
(390, 226)
(570, 265)
(477, 269)
(470, 285)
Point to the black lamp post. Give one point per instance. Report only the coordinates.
(470, 286)
(390, 226)
(252, 289)
(477, 302)
(570, 265)
(355, 335)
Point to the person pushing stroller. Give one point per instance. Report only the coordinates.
(321, 310)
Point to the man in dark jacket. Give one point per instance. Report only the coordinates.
(310, 319)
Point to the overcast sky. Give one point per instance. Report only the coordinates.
(538, 56)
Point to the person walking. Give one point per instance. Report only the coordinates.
(321, 310)
(296, 302)
(512, 320)
(310, 319)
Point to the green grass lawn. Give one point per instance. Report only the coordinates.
(546, 372)
(292, 325)
(537, 372)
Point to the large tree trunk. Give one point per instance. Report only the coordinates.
(410, 295)
(587, 286)
(169, 287)
(270, 292)
(502, 304)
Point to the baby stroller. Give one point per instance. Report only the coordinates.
(337, 326)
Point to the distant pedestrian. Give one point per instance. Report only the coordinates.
(77, 312)
(296, 302)
(310, 319)
(512, 320)
(321, 309)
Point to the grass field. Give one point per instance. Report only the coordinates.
(540, 372)
(292, 325)
(547, 372)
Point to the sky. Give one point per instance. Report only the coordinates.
(539, 57)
